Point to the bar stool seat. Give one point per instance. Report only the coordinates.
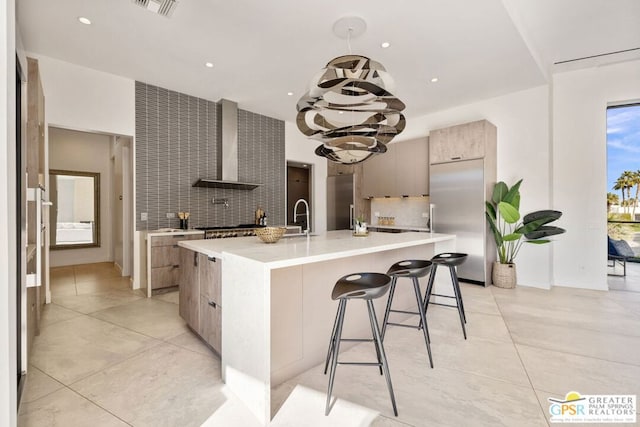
(450, 260)
(412, 269)
(366, 286)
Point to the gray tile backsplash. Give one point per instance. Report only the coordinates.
(176, 143)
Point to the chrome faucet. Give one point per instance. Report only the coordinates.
(306, 213)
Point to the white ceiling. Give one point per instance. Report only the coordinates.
(263, 49)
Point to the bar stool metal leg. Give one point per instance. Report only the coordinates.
(423, 319)
(332, 340)
(335, 351)
(375, 345)
(378, 342)
(392, 290)
(429, 290)
(456, 291)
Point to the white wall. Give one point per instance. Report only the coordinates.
(299, 148)
(8, 367)
(86, 152)
(84, 99)
(580, 100)
(522, 120)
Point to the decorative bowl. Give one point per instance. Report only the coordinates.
(270, 234)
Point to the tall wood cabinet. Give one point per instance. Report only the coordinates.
(36, 164)
(201, 294)
(457, 154)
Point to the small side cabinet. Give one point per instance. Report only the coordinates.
(163, 260)
(210, 297)
(200, 295)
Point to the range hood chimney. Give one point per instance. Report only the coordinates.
(227, 164)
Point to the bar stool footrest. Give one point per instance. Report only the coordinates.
(444, 305)
(360, 363)
(404, 312)
(443, 296)
(402, 325)
(357, 339)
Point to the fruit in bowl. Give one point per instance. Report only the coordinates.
(270, 234)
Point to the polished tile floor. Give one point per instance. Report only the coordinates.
(106, 356)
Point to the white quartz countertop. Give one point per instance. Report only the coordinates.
(401, 227)
(172, 232)
(303, 250)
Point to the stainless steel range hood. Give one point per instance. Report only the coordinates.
(227, 152)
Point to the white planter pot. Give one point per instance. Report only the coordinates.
(504, 275)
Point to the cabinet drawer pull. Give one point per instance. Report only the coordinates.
(456, 158)
(211, 258)
(213, 304)
(176, 266)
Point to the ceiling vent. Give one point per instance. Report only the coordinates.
(161, 7)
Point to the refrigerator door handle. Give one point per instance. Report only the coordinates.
(351, 210)
(431, 209)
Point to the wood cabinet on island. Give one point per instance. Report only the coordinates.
(278, 311)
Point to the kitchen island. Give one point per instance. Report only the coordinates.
(277, 313)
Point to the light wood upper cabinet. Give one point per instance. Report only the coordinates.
(402, 171)
(461, 142)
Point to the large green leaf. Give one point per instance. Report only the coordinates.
(513, 195)
(508, 213)
(538, 242)
(530, 227)
(491, 210)
(496, 233)
(512, 237)
(499, 191)
(547, 215)
(545, 231)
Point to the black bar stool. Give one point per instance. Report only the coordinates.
(412, 269)
(367, 286)
(451, 260)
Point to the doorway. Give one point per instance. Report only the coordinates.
(623, 194)
(109, 157)
(299, 186)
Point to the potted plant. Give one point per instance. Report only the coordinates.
(509, 233)
(360, 225)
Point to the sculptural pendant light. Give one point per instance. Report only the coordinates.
(349, 107)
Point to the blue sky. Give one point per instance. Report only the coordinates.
(623, 143)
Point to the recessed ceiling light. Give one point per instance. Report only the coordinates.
(85, 21)
(290, 93)
(385, 45)
(433, 80)
(208, 64)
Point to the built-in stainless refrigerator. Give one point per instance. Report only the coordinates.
(457, 194)
(340, 195)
